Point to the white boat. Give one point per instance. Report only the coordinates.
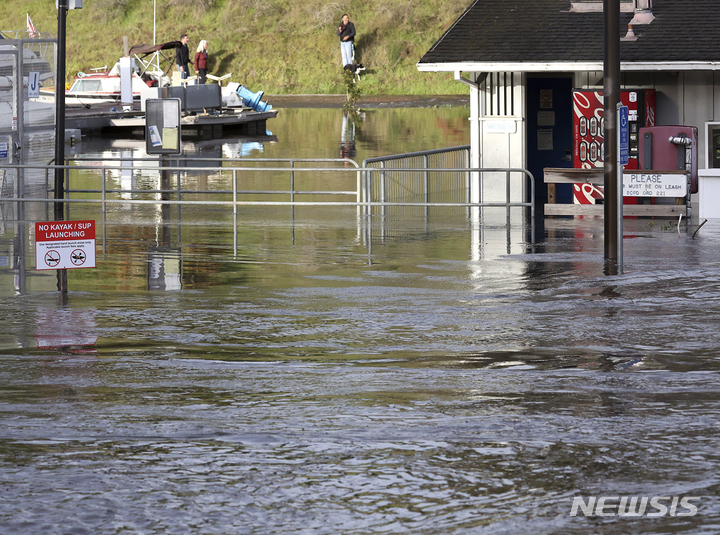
(103, 85)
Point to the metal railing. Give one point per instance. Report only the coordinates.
(138, 181)
(440, 177)
(419, 176)
(234, 166)
(373, 186)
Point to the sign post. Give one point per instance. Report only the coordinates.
(59, 188)
(611, 97)
(623, 159)
(64, 244)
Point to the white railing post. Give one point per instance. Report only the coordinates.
(426, 178)
(234, 193)
(292, 181)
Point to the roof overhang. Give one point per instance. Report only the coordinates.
(591, 66)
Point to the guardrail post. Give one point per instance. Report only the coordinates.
(532, 198)
(507, 190)
(164, 179)
(507, 197)
(383, 192)
(47, 191)
(104, 233)
(235, 232)
(179, 186)
(234, 182)
(367, 188)
(467, 176)
(292, 181)
(426, 179)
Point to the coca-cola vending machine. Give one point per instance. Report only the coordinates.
(589, 130)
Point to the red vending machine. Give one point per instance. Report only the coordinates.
(588, 132)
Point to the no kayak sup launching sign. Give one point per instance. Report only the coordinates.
(64, 244)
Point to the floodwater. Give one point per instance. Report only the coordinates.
(448, 376)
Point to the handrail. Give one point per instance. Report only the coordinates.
(414, 154)
(224, 159)
(410, 158)
(362, 191)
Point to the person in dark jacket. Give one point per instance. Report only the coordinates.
(201, 61)
(346, 31)
(182, 57)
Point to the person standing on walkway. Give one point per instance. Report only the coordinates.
(182, 57)
(201, 60)
(346, 31)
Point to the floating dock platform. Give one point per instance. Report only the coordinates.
(110, 120)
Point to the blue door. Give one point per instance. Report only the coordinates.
(549, 132)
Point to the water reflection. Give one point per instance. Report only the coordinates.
(246, 147)
(164, 268)
(347, 136)
(66, 329)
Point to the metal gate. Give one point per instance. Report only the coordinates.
(27, 117)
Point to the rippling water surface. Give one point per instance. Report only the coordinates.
(448, 375)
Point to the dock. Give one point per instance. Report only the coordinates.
(109, 119)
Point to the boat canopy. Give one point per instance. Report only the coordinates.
(155, 51)
(146, 50)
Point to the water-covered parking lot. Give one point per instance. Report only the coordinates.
(456, 378)
(319, 371)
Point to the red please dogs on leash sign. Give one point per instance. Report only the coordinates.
(64, 244)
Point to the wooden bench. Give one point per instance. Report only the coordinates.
(596, 177)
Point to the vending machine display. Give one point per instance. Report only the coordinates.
(589, 130)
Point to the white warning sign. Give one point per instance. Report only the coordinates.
(64, 244)
(649, 184)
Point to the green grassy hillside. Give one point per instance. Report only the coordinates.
(279, 46)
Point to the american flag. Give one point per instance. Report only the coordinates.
(31, 28)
